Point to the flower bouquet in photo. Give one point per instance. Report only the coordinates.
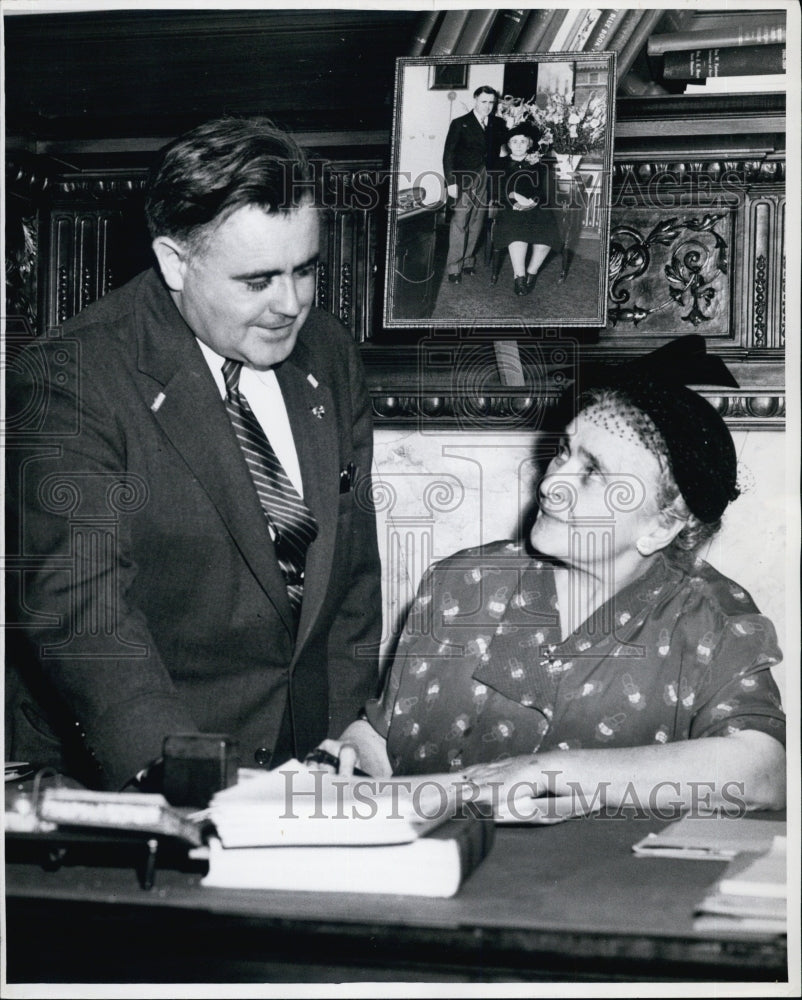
(569, 130)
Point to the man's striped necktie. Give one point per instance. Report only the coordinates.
(294, 526)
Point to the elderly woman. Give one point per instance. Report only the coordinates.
(604, 658)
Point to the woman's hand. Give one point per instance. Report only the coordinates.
(522, 203)
(521, 791)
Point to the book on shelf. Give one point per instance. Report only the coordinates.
(769, 30)
(534, 30)
(424, 33)
(293, 805)
(474, 35)
(604, 29)
(710, 838)
(628, 52)
(584, 27)
(623, 32)
(448, 32)
(677, 19)
(636, 83)
(507, 28)
(635, 74)
(743, 60)
(758, 83)
(434, 865)
(567, 29)
(700, 20)
(651, 67)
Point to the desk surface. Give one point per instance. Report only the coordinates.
(552, 903)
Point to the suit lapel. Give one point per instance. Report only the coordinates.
(314, 427)
(192, 415)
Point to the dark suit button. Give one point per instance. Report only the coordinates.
(263, 756)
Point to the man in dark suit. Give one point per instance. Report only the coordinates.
(471, 148)
(158, 591)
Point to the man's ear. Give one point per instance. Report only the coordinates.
(172, 257)
(662, 534)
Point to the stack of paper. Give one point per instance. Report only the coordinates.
(715, 837)
(752, 895)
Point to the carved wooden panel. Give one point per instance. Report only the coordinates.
(80, 266)
(763, 286)
(344, 287)
(22, 278)
(349, 199)
(669, 273)
(697, 247)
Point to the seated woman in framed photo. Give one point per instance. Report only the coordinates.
(525, 224)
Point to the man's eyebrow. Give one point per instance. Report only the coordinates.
(267, 275)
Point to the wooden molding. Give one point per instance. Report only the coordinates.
(508, 411)
(456, 385)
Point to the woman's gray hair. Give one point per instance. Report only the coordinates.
(669, 499)
(671, 504)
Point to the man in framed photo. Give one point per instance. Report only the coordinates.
(471, 148)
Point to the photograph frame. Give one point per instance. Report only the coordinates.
(567, 100)
(448, 75)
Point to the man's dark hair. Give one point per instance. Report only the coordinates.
(484, 90)
(220, 166)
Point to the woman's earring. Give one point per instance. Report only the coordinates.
(643, 546)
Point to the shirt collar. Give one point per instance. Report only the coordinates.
(215, 363)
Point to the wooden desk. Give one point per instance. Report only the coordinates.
(561, 903)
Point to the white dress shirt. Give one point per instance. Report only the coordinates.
(263, 393)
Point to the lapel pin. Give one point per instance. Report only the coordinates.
(310, 378)
(318, 411)
(157, 402)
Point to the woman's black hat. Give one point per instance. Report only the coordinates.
(526, 129)
(699, 443)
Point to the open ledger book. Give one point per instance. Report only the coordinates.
(294, 805)
(300, 830)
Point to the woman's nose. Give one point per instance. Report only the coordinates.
(557, 491)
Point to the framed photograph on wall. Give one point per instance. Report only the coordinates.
(500, 210)
(448, 76)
